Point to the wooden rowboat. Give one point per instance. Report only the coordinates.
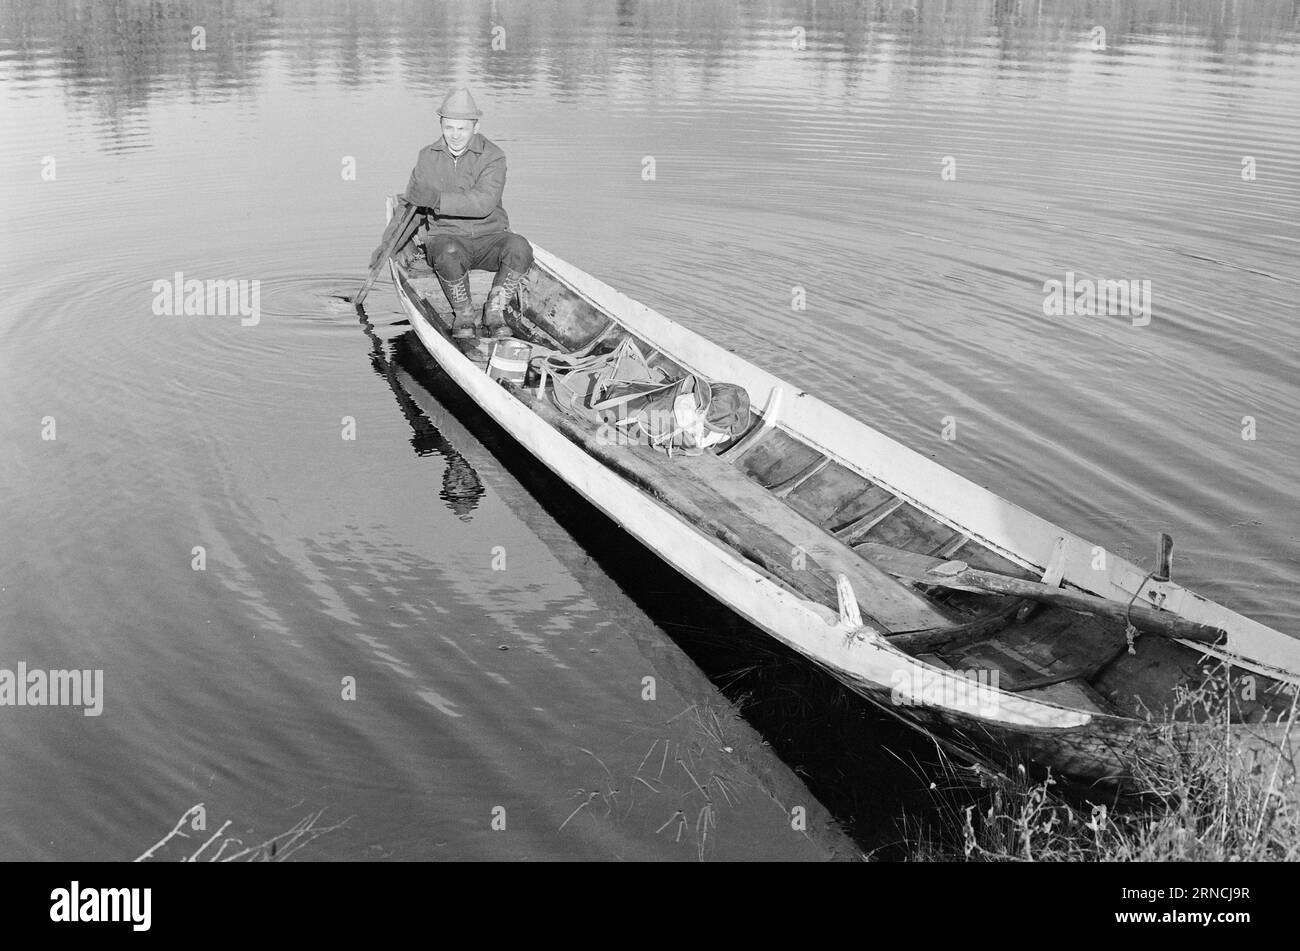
(972, 619)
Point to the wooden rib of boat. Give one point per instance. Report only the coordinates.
(976, 621)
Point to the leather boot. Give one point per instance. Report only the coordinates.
(462, 307)
(494, 320)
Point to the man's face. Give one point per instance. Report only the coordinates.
(457, 132)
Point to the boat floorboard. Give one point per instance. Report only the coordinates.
(1076, 694)
(1052, 647)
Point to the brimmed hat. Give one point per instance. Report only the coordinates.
(459, 104)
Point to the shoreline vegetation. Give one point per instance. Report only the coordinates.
(1197, 796)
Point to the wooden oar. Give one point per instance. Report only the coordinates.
(399, 238)
(962, 577)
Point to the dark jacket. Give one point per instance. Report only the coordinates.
(469, 188)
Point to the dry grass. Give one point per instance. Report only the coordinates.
(1199, 798)
(278, 848)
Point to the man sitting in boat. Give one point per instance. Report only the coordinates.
(458, 182)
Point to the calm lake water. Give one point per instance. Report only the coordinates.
(916, 174)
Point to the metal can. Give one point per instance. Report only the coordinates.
(509, 360)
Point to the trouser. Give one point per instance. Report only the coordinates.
(451, 256)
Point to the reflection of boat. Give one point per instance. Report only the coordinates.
(461, 488)
(951, 607)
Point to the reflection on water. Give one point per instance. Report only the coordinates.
(799, 150)
(121, 57)
(461, 486)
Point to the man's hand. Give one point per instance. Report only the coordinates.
(426, 196)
